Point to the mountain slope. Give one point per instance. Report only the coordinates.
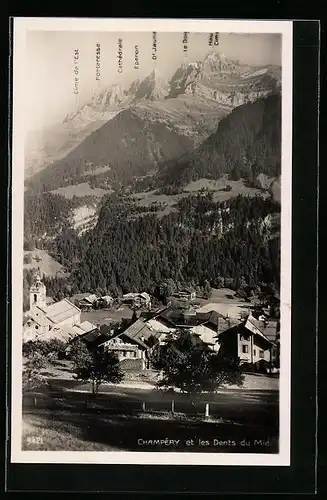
(225, 243)
(127, 145)
(49, 145)
(246, 143)
(197, 96)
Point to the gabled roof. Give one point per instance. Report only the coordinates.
(268, 328)
(136, 331)
(59, 311)
(135, 339)
(159, 327)
(256, 327)
(139, 329)
(95, 338)
(77, 330)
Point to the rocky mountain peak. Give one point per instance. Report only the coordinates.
(152, 87)
(217, 62)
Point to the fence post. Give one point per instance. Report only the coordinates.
(207, 410)
(172, 406)
(143, 406)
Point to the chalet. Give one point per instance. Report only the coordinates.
(130, 345)
(94, 339)
(106, 301)
(184, 294)
(252, 340)
(137, 299)
(89, 334)
(86, 301)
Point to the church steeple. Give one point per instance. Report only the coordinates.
(37, 293)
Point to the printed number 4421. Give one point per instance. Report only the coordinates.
(34, 440)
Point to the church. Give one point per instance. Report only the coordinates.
(60, 319)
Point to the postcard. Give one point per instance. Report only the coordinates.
(151, 241)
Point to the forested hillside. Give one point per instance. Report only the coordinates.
(122, 148)
(189, 239)
(228, 244)
(47, 215)
(247, 142)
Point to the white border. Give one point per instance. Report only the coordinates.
(20, 73)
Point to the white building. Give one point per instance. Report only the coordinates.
(46, 321)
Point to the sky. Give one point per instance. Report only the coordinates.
(50, 82)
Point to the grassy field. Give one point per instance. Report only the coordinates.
(82, 189)
(216, 187)
(47, 265)
(118, 421)
(106, 316)
(67, 431)
(47, 433)
(63, 415)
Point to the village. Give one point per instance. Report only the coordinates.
(131, 326)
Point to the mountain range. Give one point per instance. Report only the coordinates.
(127, 132)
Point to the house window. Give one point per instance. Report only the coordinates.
(36, 327)
(35, 297)
(134, 354)
(254, 352)
(245, 348)
(261, 354)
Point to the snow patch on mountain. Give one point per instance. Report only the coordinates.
(84, 218)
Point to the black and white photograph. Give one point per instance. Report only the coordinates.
(151, 241)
